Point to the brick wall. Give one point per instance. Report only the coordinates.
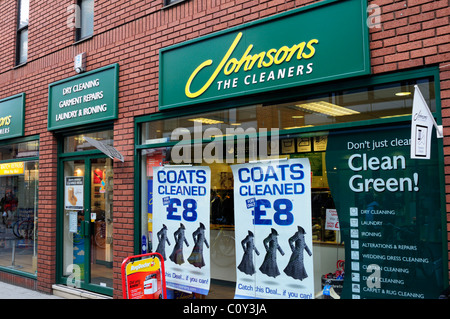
(47, 212)
(413, 34)
(7, 35)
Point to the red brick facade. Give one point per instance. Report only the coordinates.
(412, 34)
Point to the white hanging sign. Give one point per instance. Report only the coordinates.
(106, 149)
(422, 123)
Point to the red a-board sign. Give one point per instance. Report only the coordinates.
(143, 277)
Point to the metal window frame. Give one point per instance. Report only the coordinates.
(78, 36)
(19, 30)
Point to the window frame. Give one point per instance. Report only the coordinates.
(353, 83)
(78, 29)
(170, 3)
(295, 93)
(19, 31)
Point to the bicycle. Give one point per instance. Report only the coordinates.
(24, 227)
(100, 235)
(223, 245)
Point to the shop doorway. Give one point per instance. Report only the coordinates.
(87, 200)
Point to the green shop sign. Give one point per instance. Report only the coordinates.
(12, 111)
(316, 43)
(88, 98)
(390, 214)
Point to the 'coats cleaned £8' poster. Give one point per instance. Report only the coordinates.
(181, 225)
(273, 229)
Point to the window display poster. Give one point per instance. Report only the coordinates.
(390, 214)
(331, 219)
(181, 215)
(273, 230)
(73, 222)
(74, 192)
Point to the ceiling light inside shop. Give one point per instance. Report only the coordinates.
(205, 120)
(294, 127)
(222, 135)
(326, 108)
(395, 115)
(403, 93)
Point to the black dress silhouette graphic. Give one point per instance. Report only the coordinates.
(162, 239)
(196, 257)
(295, 268)
(177, 253)
(269, 265)
(248, 244)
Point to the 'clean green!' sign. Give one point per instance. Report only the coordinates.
(12, 110)
(321, 42)
(390, 214)
(88, 98)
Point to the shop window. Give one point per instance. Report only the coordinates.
(19, 150)
(367, 105)
(18, 203)
(222, 236)
(22, 32)
(86, 27)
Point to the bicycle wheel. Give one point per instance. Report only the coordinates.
(100, 239)
(25, 229)
(15, 229)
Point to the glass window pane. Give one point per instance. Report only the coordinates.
(24, 13)
(102, 185)
(345, 106)
(22, 54)
(369, 103)
(87, 18)
(77, 143)
(19, 150)
(167, 2)
(73, 241)
(18, 228)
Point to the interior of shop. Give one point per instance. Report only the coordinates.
(18, 205)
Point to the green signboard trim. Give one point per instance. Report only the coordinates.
(112, 94)
(177, 91)
(17, 128)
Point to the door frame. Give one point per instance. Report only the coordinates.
(87, 156)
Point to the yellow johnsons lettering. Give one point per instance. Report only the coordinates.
(264, 59)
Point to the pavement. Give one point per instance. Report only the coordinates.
(8, 291)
